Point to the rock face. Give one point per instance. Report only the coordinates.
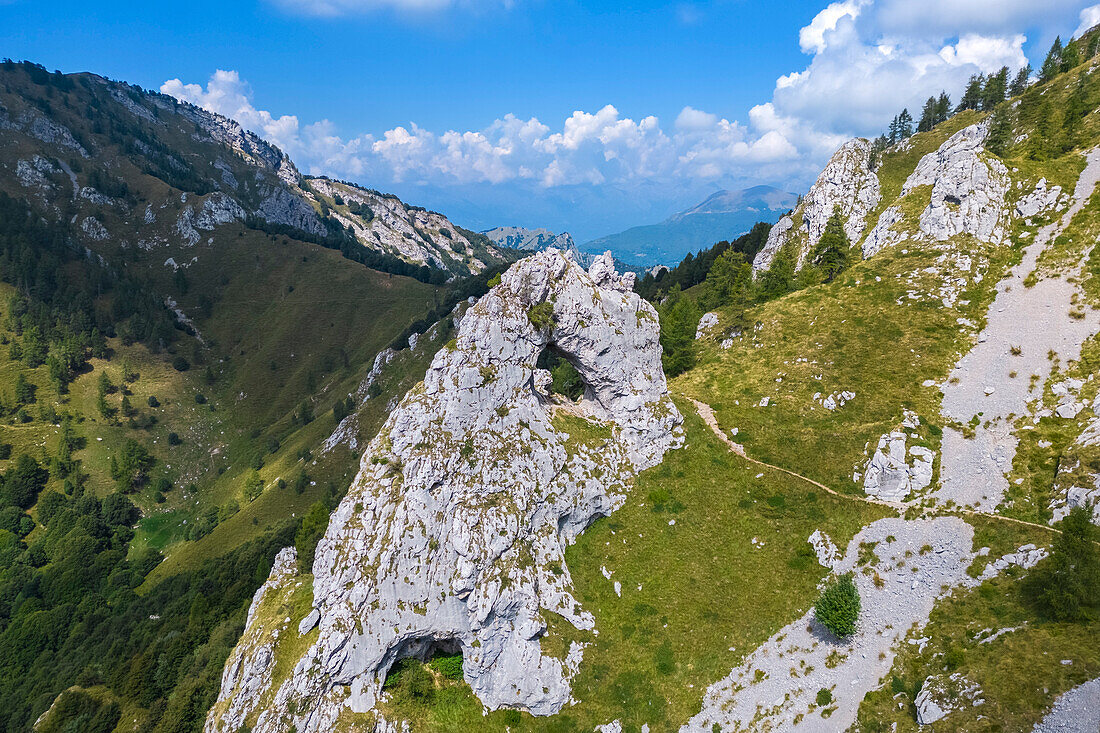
(968, 188)
(248, 670)
(846, 182)
(452, 535)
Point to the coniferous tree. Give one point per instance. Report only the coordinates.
(927, 115)
(1000, 132)
(943, 108)
(1071, 56)
(905, 124)
(778, 280)
(1019, 83)
(972, 97)
(995, 88)
(679, 320)
(1066, 585)
(832, 252)
(1053, 63)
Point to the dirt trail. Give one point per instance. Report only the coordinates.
(707, 413)
(1036, 321)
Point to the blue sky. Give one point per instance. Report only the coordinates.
(571, 115)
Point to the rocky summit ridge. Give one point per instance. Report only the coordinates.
(452, 536)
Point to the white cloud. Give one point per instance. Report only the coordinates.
(1090, 16)
(812, 37)
(944, 18)
(868, 59)
(871, 58)
(589, 148)
(986, 53)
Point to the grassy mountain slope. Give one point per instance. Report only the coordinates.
(177, 326)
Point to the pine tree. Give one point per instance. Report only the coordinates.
(1071, 56)
(1000, 132)
(996, 86)
(679, 320)
(972, 97)
(905, 125)
(943, 108)
(778, 280)
(927, 116)
(832, 252)
(1019, 83)
(1066, 585)
(1053, 63)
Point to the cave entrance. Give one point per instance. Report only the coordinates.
(566, 380)
(422, 667)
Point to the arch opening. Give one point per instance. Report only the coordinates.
(565, 380)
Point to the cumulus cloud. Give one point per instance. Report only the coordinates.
(812, 37)
(872, 58)
(587, 148)
(1090, 16)
(866, 60)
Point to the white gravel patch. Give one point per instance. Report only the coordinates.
(1076, 711)
(775, 689)
(973, 470)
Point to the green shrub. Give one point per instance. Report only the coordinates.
(1066, 585)
(838, 607)
(824, 697)
(181, 364)
(541, 315)
(448, 665)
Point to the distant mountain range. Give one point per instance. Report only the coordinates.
(536, 240)
(530, 240)
(722, 216)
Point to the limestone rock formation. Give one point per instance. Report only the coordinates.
(968, 188)
(452, 535)
(941, 694)
(847, 183)
(1039, 200)
(895, 471)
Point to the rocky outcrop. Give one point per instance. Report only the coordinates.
(779, 235)
(452, 535)
(1041, 199)
(847, 183)
(896, 470)
(248, 670)
(941, 694)
(968, 188)
(531, 240)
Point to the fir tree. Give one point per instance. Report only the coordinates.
(679, 320)
(1019, 83)
(1053, 63)
(778, 280)
(832, 252)
(1066, 585)
(927, 115)
(1071, 56)
(972, 97)
(996, 86)
(943, 108)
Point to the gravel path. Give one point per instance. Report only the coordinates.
(973, 470)
(1076, 711)
(776, 687)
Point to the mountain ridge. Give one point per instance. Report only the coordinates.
(723, 215)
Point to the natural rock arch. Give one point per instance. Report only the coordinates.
(455, 528)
